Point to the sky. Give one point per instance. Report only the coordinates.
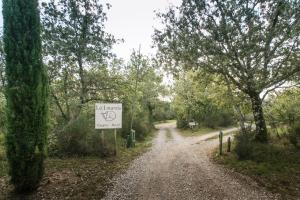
(133, 21)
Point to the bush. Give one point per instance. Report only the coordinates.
(142, 123)
(142, 130)
(294, 135)
(217, 118)
(244, 145)
(77, 138)
(72, 140)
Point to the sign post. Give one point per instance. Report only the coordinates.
(116, 144)
(102, 142)
(108, 116)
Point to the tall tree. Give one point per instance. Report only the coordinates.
(254, 44)
(2, 83)
(75, 43)
(26, 93)
(2, 65)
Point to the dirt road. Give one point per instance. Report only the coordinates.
(179, 168)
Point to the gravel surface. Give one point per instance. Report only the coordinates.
(180, 168)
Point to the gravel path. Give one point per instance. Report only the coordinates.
(179, 168)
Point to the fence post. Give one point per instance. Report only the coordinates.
(133, 138)
(221, 142)
(116, 144)
(102, 143)
(128, 142)
(228, 144)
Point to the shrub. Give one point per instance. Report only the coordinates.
(244, 145)
(142, 122)
(181, 121)
(79, 138)
(142, 129)
(72, 140)
(294, 135)
(217, 118)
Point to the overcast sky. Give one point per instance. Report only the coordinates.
(133, 21)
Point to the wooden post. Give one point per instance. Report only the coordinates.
(228, 144)
(116, 145)
(102, 143)
(221, 142)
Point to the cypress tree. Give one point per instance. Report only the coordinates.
(26, 93)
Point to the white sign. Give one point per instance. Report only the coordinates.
(108, 115)
(193, 124)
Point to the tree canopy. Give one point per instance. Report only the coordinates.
(255, 44)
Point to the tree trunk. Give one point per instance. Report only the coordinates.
(261, 128)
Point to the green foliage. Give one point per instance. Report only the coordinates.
(163, 111)
(204, 102)
(26, 92)
(254, 45)
(78, 138)
(142, 126)
(83, 71)
(284, 107)
(244, 147)
(76, 49)
(283, 110)
(294, 135)
(2, 85)
(2, 65)
(271, 165)
(139, 96)
(2, 113)
(3, 160)
(181, 121)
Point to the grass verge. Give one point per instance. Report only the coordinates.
(77, 178)
(196, 132)
(165, 121)
(200, 131)
(274, 166)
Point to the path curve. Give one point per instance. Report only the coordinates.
(179, 168)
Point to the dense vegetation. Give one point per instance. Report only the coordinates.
(26, 90)
(253, 45)
(202, 101)
(272, 164)
(82, 70)
(234, 63)
(239, 60)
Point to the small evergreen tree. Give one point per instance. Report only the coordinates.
(26, 93)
